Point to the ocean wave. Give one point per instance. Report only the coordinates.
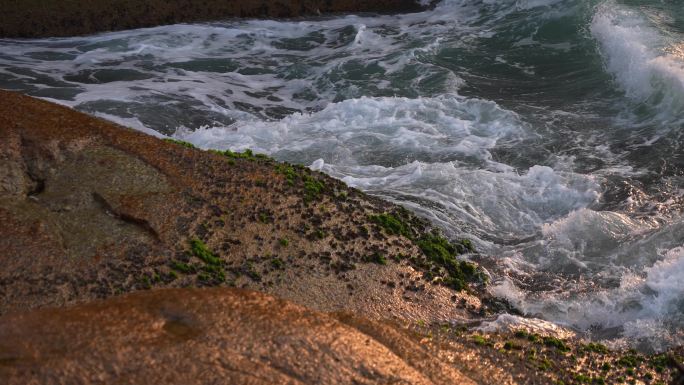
(376, 131)
(648, 65)
(633, 299)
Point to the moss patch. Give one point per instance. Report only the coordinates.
(289, 172)
(180, 142)
(377, 258)
(440, 254)
(391, 224)
(312, 188)
(209, 271)
(596, 348)
(277, 263)
(443, 254)
(200, 250)
(182, 267)
(479, 340)
(557, 343)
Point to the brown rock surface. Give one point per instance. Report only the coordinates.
(89, 210)
(232, 336)
(208, 336)
(48, 18)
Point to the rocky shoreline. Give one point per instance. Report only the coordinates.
(91, 210)
(110, 235)
(45, 18)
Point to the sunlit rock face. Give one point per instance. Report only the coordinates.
(203, 336)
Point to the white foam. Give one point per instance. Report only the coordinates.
(645, 63)
(511, 323)
(296, 78)
(427, 149)
(267, 55)
(502, 203)
(368, 131)
(646, 309)
(585, 237)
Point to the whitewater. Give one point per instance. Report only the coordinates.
(549, 132)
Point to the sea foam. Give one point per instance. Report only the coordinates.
(647, 64)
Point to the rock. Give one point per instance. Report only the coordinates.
(46, 18)
(89, 209)
(208, 336)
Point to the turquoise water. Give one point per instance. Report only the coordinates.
(549, 132)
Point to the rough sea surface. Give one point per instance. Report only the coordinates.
(549, 132)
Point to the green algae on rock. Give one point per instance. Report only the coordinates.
(91, 210)
(526, 357)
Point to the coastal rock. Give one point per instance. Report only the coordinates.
(233, 336)
(46, 18)
(193, 336)
(89, 209)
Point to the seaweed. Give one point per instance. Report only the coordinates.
(200, 250)
(391, 224)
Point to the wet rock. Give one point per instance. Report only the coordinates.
(46, 18)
